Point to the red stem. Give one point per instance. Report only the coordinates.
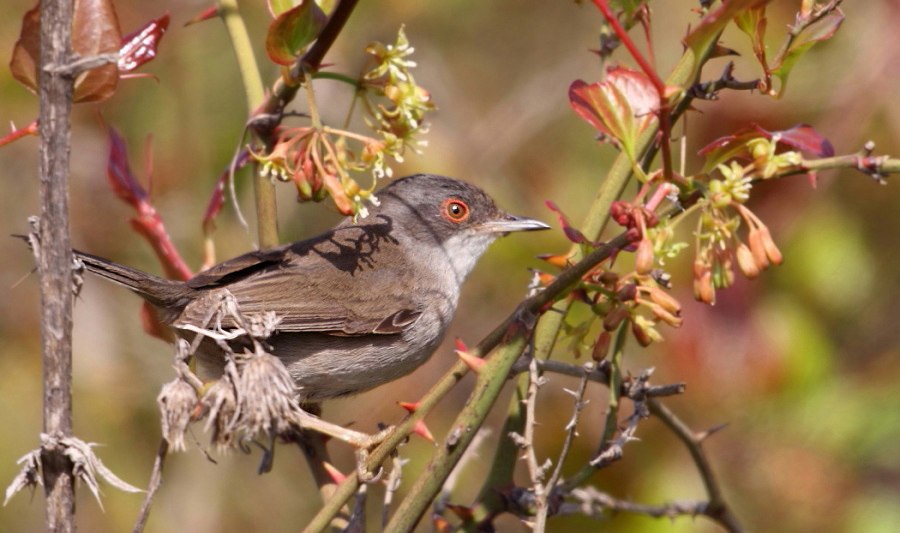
(632, 49)
(664, 119)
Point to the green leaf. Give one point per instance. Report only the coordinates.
(277, 7)
(293, 30)
(818, 32)
(753, 23)
(709, 29)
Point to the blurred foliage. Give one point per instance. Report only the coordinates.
(802, 362)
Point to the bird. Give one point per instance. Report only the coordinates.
(358, 306)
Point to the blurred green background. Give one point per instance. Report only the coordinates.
(802, 363)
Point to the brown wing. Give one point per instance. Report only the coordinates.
(341, 283)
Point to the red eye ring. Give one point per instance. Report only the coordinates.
(454, 210)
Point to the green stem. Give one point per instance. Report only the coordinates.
(563, 283)
(264, 190)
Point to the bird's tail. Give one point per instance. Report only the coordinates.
(158, 291)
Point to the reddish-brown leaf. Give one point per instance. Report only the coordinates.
(27, 50)
(571, 233)
(800, 137)
(804, 137)
(139, 46)
(95, 31)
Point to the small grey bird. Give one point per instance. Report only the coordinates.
(360, 305)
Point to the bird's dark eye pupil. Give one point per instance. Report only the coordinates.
(456, 209)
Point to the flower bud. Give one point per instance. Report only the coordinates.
(601, 346)
(671, 319)
(609, 278)
(754, 239)
(643, 263)
(614, 318)
(641, 335)
(665, 300)
(703, 288)
(627, 293)
(772, 251)
(746, 261)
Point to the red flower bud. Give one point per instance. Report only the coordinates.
(601, 346)
(615, 317)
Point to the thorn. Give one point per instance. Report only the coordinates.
(441, 525)
(421, 430)
(460, 345)
(464, 513)
(334, 473)
(206, 14)
(703, 435)
(475, 364)
(410, 407)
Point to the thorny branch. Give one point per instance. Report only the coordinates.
(717, 508)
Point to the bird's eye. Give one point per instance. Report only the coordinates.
(454, 210)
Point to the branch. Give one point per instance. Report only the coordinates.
(53, 252)
(718, 510)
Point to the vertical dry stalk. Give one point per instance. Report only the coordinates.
(54, 258)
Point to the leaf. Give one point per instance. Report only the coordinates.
(703, 36)
(139, 46)
(277, 7)
(148, 222)
(27, 50)
(571, 233)
(293, 30)
(620, 107)
(725, 148)
(804, 137)
(822, 30)
(95, 31)
(800, 137)
(627, 8)
(753, 23)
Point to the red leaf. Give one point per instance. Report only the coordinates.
(139, 46)
(118, 170)
(804, 137)
(620, 107)
(571, 233)
(800, 137)
(148, 223)
(293, 30)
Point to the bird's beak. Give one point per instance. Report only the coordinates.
(508, 223)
